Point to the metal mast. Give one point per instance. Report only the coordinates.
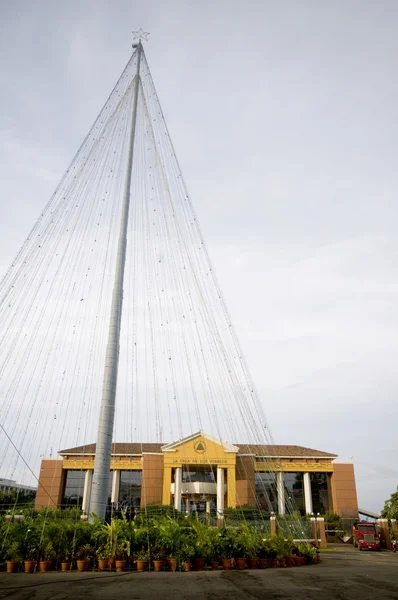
(102, 463)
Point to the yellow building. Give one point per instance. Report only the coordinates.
(202, 473)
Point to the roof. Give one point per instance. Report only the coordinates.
(283, 451)
(277, 451)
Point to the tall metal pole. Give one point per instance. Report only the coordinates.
(102, 463)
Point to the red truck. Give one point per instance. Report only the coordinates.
(365, 536)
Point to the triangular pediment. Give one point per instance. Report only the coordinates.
(200, 443)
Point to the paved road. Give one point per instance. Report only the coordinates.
(342, 575)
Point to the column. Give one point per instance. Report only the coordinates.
(314, 530)
(115, 486)
(280, 487)
(308, 494)
(166, 485)
(220, 491)
(177, 488)
(231, 487)
(272, 525)
(88, 479)
(322, 532)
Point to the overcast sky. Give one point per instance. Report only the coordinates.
(284, 119)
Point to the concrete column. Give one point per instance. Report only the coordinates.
(231, 487)
(220, 491)
(307, 494)
(272, 525)
(322, 532)
(281, 492)
(88, 479)
(177, 488)
(166, 496)
(115, 486)
(314, 531)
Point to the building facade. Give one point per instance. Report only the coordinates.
(201, 473)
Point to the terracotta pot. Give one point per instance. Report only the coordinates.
(282, 563)
(120, 565)
(157, 565)
(214, 565)
(30, 566)
(263, 563)
(289, 561)
(66, 566)
(44, 565)
(240, 563)
(12, 566)
(273, 563)
(103, 564)
(188, 566)
(318, 558)
(199, 564)
(226, 564)
(141, 565)
(82, 565)
(314, 560)
(253, 563)
(172, 563)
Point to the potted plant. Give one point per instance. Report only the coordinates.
(227, 547)
(279, 548)
(157, 556)
(264, 554)
(103, 556)
(251, 542)
(215, 548)
(240, 550)
(308, 552)
(122, 552)
(169, 533)
(289, 548)
(142, 559)
(30, 561)
(84, 555)
(186, 554)
(13, 556)
(47, 556)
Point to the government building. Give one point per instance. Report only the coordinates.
(201, 473)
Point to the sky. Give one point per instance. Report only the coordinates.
(283, 115)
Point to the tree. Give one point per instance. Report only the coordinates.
(390, 510)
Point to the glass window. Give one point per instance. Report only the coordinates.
(74, 486)
(130, 486)
(198, 473)
(266, 493)
(294, 492)
(320, 492)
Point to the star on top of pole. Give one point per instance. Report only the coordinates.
(140, 34)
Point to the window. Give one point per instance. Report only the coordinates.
(266, 493)
(294, 492)
(73, 490)
(130, 487)
(198, 473)
(320, 492)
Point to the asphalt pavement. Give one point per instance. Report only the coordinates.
(343, 574)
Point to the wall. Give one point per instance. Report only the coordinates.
(245, 481)
(152, 479)
(344, 493)
(51, 483)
